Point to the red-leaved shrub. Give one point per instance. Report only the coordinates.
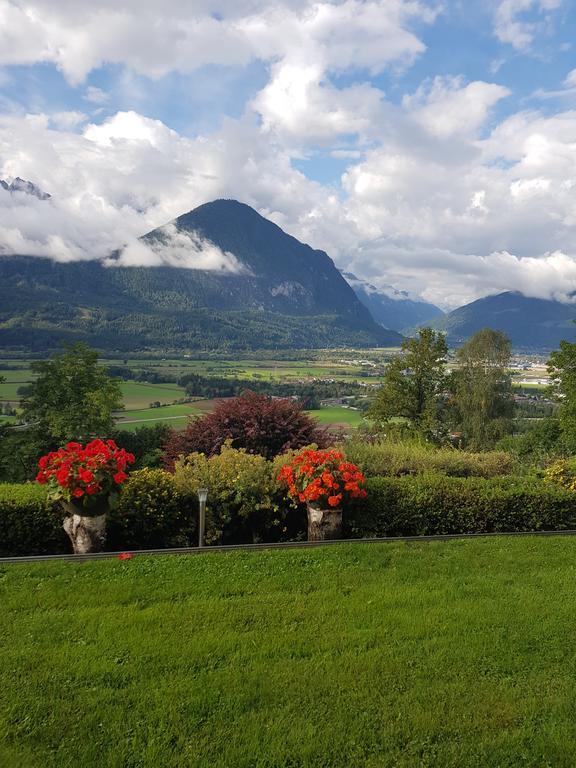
(260, 424)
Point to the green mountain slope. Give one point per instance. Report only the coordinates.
(285, 295)
(528, 322)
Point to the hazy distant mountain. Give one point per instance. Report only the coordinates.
(263, 289)
(21, 185)
(390, 307)
(528, 322)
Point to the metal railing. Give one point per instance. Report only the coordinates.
(280, 545)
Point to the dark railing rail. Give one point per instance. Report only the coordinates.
(278, 545)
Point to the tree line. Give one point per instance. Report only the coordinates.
(473, 403)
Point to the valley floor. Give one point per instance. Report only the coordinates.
(439, 654)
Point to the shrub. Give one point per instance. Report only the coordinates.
(258, 423)
(413, 458)
(241, 494)
(29, 523)
(562, 473)
(144, 442)
(152, 514)
(435, 504)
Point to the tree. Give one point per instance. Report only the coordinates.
(562, 372)
(72, 397)
(260, 424)
(483, 390)
(414, 382)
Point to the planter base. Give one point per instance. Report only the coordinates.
(87, 534)
(324, 524)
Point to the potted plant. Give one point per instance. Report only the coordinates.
(86, 481)
(325, 481)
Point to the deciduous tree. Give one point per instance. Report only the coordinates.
(414, 382)
(562, 371)
(72, 397)
(483, 390)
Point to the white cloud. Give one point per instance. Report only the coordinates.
(511, 25)
(154, 37)
(173, 248)
(436, 198)
(447, 107)
(452, 218)
(96, 95)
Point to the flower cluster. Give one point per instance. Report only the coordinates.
(562, 472)
(317, 477)
(80, 472)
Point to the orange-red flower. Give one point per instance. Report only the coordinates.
(313, 476)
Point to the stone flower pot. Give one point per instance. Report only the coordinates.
(86, 526)
(324, 524)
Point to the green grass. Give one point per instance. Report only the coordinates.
(442, 654)
(175, 415)
(139, 395)
(338, 415)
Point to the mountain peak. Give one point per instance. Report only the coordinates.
(27, 187)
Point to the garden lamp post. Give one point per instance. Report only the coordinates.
(202, 496)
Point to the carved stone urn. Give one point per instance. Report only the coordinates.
(86, 525)
(324, 524)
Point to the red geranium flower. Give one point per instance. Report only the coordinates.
(322, 476)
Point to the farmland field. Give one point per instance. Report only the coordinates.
(139, 395)
(174, 415)
(338, 415)
(445, 654)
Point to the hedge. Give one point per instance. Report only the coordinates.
(151, 514)
(432, 504)
(389, 459)
(29, 525)
(154, 513)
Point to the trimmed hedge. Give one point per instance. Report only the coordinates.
(154, 512)
(389, 459)
(151, 514)
(29, 524)
(435, 504)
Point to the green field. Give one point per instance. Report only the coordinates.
(174, 415)
(140, 395)
(338, 415)
(439, 654)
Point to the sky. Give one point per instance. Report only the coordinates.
(425, 144)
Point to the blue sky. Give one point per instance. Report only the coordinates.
(426, 145)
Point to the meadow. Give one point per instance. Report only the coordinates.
(138, 396)
(430, 654)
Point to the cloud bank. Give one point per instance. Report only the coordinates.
(441, 193)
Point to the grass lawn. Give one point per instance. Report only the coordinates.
(445, 654)
(338, 415)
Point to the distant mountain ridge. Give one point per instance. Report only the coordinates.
(285, 294)
(392, 308)
(21, 185)
(529, 323)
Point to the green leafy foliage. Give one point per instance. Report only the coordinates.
(153, 513)
(241, 494)
(562, 371)
(433, 504)
(413, 384)
(387, 458)
(482, 389)
(29, 523)
(72, 397)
